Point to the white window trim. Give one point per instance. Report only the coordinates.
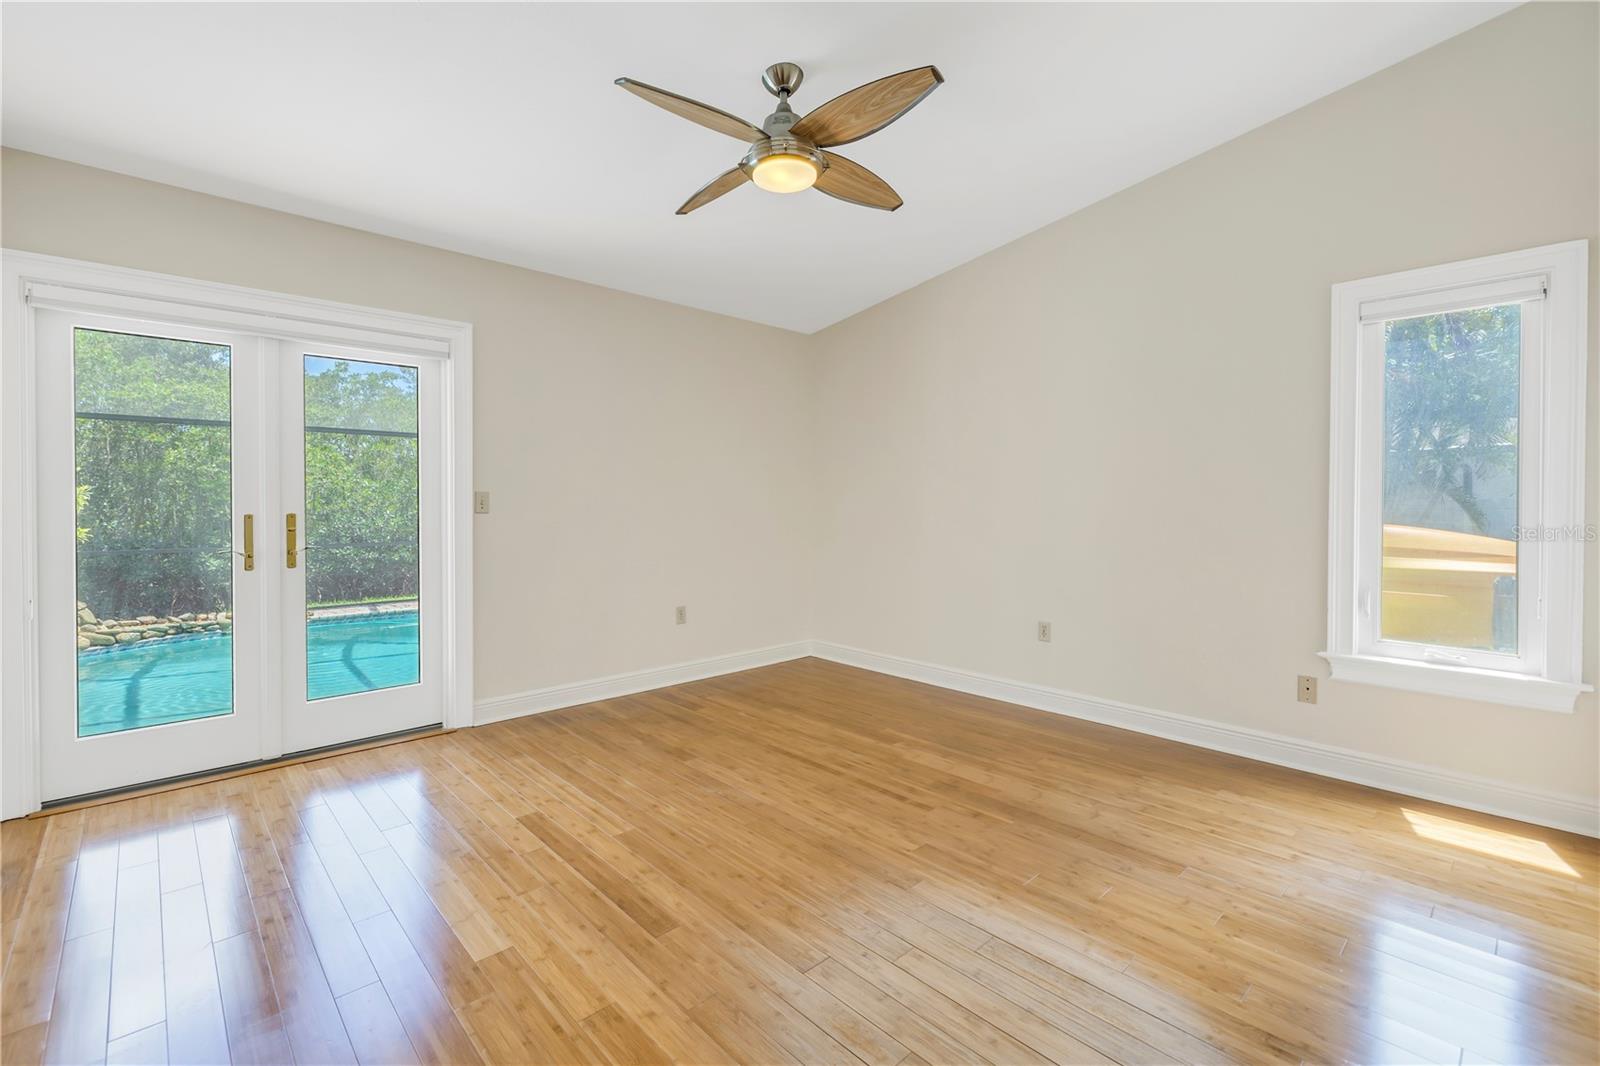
(1548, 671)
(31, 280)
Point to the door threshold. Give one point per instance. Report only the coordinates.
(244, 769)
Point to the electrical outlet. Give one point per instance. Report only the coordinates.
(1044, 632)
(480, 503)
(1307, 692)
(683, 615)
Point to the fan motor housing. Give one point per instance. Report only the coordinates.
(799, 146)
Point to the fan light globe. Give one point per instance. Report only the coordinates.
(785, 173)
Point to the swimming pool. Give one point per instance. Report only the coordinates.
(178, 679)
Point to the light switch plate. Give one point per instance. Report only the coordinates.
(480, 503)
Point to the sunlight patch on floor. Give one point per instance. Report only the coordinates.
(1491, 842)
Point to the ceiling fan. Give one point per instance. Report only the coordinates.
(788, 153)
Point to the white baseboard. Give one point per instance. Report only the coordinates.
(1571, 813)
(539, 700)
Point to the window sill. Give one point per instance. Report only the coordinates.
(1463, 682)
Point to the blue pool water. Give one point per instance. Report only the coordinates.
(182, 678)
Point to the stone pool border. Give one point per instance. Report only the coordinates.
(101, 635)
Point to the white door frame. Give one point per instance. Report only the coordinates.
(28, 281)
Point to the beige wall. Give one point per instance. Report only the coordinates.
(639, 455)
(1119, 423)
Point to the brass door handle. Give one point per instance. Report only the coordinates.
(289, 540)
(249, 542)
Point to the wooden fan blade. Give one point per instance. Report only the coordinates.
(694, 111)
(854, 183)
(867, 108)
(725, 182)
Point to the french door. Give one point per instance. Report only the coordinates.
(361, 483)
(239, 548)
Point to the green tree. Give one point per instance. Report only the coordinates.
(154, 472)
(1450, 413)
(82, 501)
(361, 481)
(152, 456)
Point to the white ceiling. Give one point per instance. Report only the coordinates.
(495, 129)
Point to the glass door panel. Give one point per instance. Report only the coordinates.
(361, 487)
(153, 496)
(360, 529)
(148, 448)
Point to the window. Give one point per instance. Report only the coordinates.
(1456, 515)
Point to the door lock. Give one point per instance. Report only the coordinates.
(292, 554)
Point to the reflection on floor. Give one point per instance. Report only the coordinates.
(803, 863)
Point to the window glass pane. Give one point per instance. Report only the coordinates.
(1450, 478)
(360, 530)
(153, 454)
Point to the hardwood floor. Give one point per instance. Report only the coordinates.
(803, 863)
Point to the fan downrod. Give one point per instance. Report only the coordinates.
(782, 79)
